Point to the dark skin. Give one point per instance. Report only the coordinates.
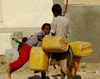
(47, 29)
(56, 14)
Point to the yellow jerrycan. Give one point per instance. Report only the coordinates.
(55, 44)
(38, 59)
(75, 65)
(81, 49)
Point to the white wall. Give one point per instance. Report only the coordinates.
(26, 13)
(5, 42)
(30, 13)
(0, 10)
(22, 13)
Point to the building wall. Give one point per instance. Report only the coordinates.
(84, 21)
(5, 42)
(1, 11)
(26, 13)
(85, 25)
(84, 1)
(22, 13)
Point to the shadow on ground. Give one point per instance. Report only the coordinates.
(38, 77)
(55, 76)
(77, 77)
(59, 75)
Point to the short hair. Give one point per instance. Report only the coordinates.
(43, 26)
(24, 39)
(57, 8)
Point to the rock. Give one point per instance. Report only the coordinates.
(83, 65)
(97, 72)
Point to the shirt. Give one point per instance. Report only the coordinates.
(33, 41)
(60, 26)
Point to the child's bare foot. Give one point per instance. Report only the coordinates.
(9, 72)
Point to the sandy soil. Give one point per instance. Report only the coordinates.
(86, 71)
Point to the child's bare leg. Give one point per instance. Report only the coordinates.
(64, 69)
(9, 72)
(62, 74)
(43, 75)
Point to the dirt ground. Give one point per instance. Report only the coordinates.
(86, 71)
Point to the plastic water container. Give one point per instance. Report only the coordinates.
(55, 44)
(76, 62)
(11, 55)
(81, 48)
(38, 59)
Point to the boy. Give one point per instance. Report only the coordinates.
(60, 27)
(25, 51)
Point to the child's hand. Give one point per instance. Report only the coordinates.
(53, 34)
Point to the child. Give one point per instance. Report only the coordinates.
(25, 51)
(60, 27)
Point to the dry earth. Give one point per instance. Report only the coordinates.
(86, 71)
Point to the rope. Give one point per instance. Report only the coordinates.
(66, 6)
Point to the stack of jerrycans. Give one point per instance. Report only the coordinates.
(80, 49)
(39, 56)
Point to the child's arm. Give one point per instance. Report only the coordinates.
(68, 29)
(53, 26)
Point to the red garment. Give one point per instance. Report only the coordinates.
(23, 58)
